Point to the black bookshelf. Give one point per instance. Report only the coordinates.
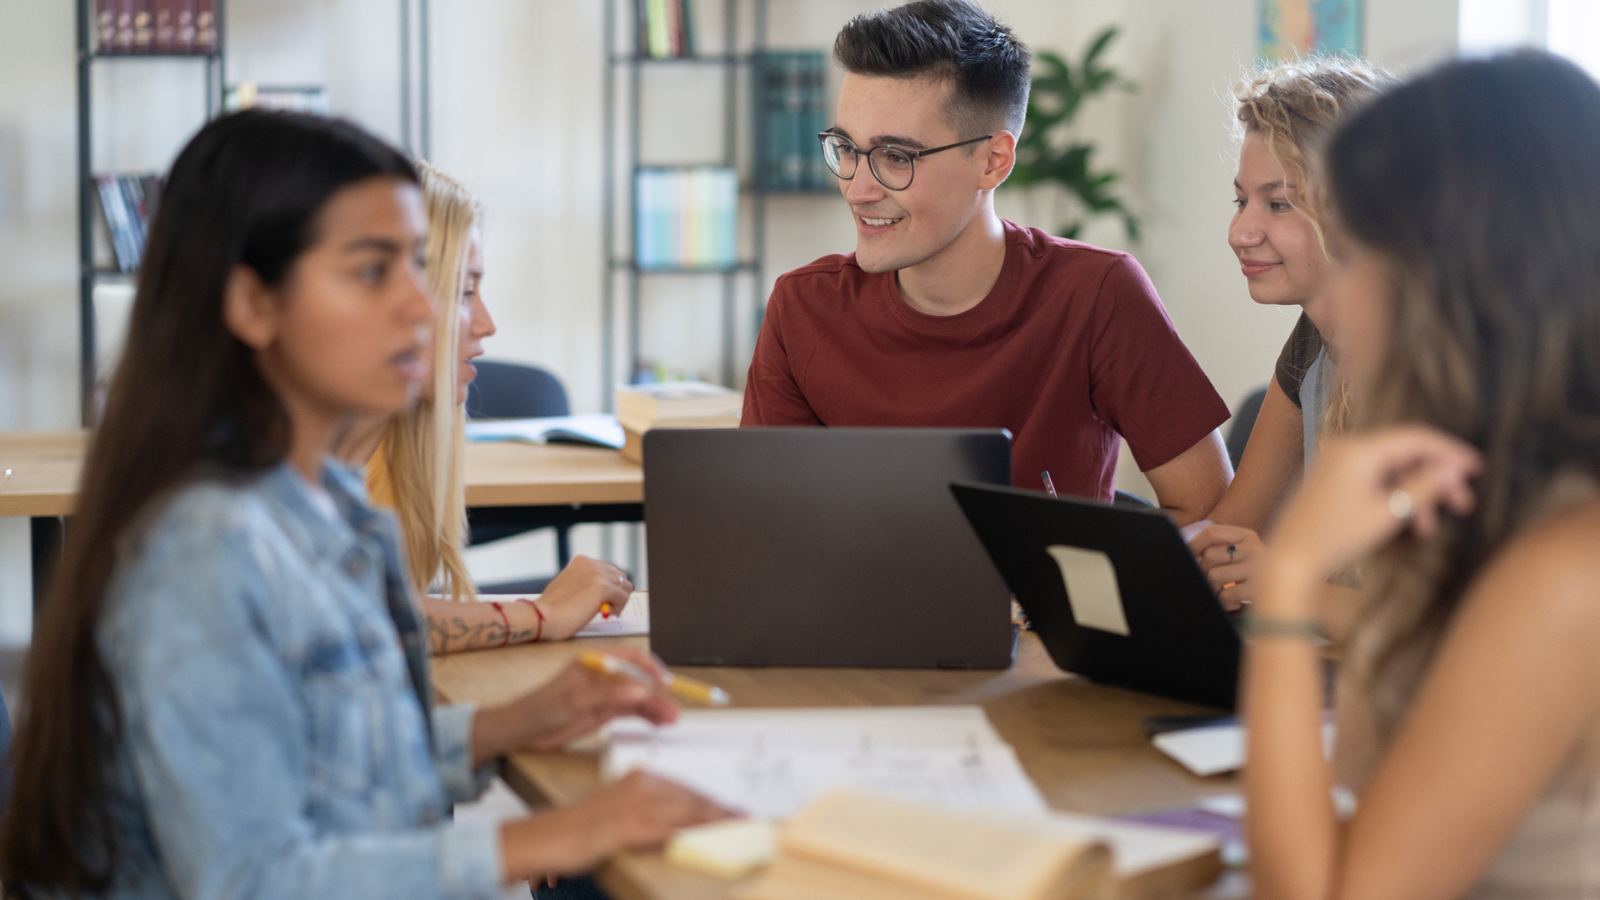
(415, 127)
(623, 156)
(89, 56)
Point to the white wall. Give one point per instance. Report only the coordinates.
(517, 117)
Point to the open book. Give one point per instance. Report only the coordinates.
(596, 429)
(867, 847)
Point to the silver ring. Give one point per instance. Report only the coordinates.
(1400, 505)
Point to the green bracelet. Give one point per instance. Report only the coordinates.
(1254, 626)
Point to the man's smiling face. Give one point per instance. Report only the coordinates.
(899, 229)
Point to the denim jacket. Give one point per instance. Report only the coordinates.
(272, 682)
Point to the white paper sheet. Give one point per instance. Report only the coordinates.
(1092, 590)
(1215, 749)
(772, 763)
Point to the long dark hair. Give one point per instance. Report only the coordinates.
(1479, 183)
(246, 190)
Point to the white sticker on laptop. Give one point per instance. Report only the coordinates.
(1092, 590)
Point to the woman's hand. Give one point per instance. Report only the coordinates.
(574, 596)
(1229, 556)
(639, 812)
(570, 706)
(1363, 490)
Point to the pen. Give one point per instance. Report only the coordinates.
(686, 689)
(1048, 484)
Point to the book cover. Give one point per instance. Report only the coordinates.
(660, 44)
(166, 15)
(122, 41)
(186, 29)
(105, 22)
(113, 208)
(144, 26)
(205, 26)
(687, 15)
(674, 27)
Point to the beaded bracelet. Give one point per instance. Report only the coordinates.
(1255, 626)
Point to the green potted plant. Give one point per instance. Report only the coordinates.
(1051, 154)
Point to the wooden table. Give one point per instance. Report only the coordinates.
(1080, 742)
(509, 477)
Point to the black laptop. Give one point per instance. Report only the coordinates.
(1143, 615)
(822, 547)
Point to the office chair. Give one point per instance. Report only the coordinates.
(1243, 422)
(514, 391)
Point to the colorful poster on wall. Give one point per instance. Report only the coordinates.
(1289, 28)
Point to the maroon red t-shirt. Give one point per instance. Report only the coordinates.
(1070, 349)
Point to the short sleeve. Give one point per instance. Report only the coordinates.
(772, 394)
(1145, 382)
(1304, 343)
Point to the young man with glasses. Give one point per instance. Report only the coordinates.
(948, 316)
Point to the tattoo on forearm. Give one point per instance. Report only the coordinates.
(452, 634)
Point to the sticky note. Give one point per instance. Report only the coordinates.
(1092, 591)
(729, 849)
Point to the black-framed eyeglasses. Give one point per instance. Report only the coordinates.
(894, 167)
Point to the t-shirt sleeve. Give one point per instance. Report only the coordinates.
(1145, 382)
(1304, 343)
(772, 394)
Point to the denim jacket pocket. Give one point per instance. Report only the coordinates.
(346, 697)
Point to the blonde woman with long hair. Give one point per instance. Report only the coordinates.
(414, 459)
(1280, 114)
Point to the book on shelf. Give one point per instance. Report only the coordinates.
(666, 28)
(133, 27)
(248, 94)
(205, 26)
(686, 218)
(791, 108)
(127, 204)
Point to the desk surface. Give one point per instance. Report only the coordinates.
(45, 465)
(1080, 742)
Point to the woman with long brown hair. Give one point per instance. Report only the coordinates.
(1465, 241)
(228, 691)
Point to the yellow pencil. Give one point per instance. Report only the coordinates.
(686, 689)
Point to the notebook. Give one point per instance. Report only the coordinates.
(772, 763)
(594, 429)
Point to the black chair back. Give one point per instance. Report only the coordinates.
(515, 391)
(1243, 421)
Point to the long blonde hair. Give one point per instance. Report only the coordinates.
(1293, 106)
(421, 455)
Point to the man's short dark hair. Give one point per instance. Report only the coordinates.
(957, 40)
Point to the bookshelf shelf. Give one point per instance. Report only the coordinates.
(715, 59)
(744, 100)
(629, 265)
(89, 274)
(207, 57)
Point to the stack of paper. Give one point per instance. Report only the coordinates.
(772, 763)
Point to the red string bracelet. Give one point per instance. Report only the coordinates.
(502, 611)
(540, 633)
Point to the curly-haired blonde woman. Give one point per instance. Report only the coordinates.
(414, 459)
(1281, 113)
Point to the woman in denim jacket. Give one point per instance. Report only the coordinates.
(228, 689)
